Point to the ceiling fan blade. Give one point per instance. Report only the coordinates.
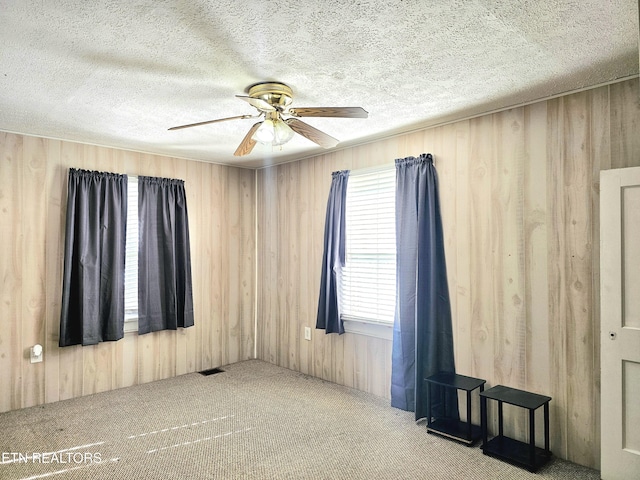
(311, 133)
(258, 103)
(247, 143)
(212, 121)
(344, 112)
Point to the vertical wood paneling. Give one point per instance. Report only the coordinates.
(600, 148)
(375, 364)
(291, 267)
(237, 312)
(307, 292)
(209, 219)
(509, 330)
(220, 332)
(625, 141)
(535, 230)
(280, 219)
(267, 303)
(33, 266)
(197, 219)
(557, 274)
(246, 279)
(537, 366)
(127, 361)
(11, 237)
(460, 293)
(315, 244)
(578, 264)
(360, 362)
(507, 218)
(55, 217)
(480, 246)
(445, 148)
(322, 173)
(147, 368)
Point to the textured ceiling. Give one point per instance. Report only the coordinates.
(119, 73)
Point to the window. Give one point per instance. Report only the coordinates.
(369, 276)
(131, 260)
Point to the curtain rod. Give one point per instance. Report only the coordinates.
(376, 169)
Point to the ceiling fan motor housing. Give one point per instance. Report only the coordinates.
(274, 93)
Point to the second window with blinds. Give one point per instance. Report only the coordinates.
(369, 276)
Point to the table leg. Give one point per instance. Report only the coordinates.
(532, 438)
(500, 418)
(428, 404)
(546, 429)
(469, 415)
(483, 420)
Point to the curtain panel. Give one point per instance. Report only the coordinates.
(422, 332)
(333, 257)
(94, 258)
(165, 298)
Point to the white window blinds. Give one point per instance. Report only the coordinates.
(369, 276)
(131, 260)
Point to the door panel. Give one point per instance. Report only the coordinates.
(620, 323)
(631, 389)
(631, 255)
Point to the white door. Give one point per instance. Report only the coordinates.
(620, 323)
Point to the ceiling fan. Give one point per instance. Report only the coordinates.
(273, 100)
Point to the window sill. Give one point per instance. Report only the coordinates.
(370, 328)
(130, 323)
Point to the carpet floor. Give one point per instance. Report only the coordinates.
(254, 420)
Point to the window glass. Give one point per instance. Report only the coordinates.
(131, 260)
(369, 276)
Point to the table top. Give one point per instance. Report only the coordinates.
(513, 396)
(460, 382)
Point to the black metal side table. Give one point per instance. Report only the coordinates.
(505, 448)
(464, 432)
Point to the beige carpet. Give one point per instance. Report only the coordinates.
(252, 421)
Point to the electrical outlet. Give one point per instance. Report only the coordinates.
(36, 353)
(307, 333)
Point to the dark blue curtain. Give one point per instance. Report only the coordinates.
(422, 331)
(334, 255)
(94, 255)
(165, 298)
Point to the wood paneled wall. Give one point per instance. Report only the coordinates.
(520, 195)
(33, 182)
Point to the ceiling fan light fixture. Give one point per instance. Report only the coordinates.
(273, 132)
(282, 133)
(265, 133)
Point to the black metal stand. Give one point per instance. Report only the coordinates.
(464, 432)
(505, 448)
